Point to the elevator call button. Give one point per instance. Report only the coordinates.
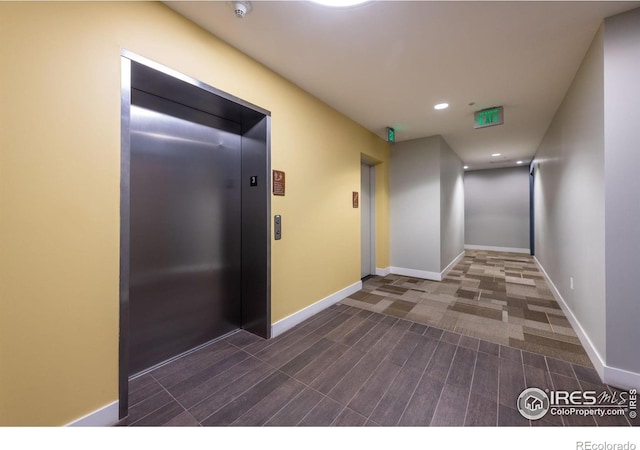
(277, 227)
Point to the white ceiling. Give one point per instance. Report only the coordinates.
(386, 63)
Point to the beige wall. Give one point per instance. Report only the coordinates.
(60, 181)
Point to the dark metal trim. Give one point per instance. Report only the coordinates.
(180, 76)
(532, 230)
(183, 354)
(268, 220)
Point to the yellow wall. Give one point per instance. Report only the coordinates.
(59, 191)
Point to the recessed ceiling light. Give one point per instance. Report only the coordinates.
(441, 106)
(340, 3)
(466, 167)
(520, 162)
(495, 154)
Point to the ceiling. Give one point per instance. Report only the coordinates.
(387, 63)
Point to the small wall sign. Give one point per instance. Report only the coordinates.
(278, 182)
(355, 199)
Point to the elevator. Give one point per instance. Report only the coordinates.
(195, 235)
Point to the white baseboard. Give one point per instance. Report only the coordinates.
(102, 417)
(593, 354)
(621, 378)
(434, 276)
(383, 272)
(451, 265)
(498, 249)
(610, 375)
(298, 317)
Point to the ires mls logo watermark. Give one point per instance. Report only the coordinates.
(589, 445)
(534, 403)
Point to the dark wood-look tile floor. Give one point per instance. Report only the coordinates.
(351, 367)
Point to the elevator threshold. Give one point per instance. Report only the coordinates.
(188, 352)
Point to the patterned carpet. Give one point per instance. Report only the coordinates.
(495, 296)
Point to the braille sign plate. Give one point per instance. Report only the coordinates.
(278, 182)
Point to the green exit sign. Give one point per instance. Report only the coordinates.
(489, 117)
(391, 135)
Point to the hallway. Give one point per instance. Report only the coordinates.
(348, 366)
(496, 296)
(525, 141)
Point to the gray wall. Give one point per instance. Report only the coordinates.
(451, 205)
(414, 182)
(622, 193)
(569, 197)
(496, 207)
(427, 205)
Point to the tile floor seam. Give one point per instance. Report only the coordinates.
(295, 397)
(279, 366)
(553, 386)
(473, 375)
(498, 393)
(308, 386)
(146, 415)
(275, 413)
(383, 335)
(414, 389)
(384, 394)
(303, 335)
(249, 355)
(174, 399)
(336, 418)
(444, 385)
(314, 407)
(236, 397)
(524, 382)
(365, 382)
(331, 365)
(153, 411)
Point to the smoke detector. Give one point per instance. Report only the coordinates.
(241, 9)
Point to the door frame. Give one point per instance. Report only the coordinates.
(256, 204)
(532, 240)
(372, 211)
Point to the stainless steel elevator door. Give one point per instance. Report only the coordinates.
(185, 232)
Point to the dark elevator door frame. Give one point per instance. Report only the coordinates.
(141, 74)
(532, 231)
